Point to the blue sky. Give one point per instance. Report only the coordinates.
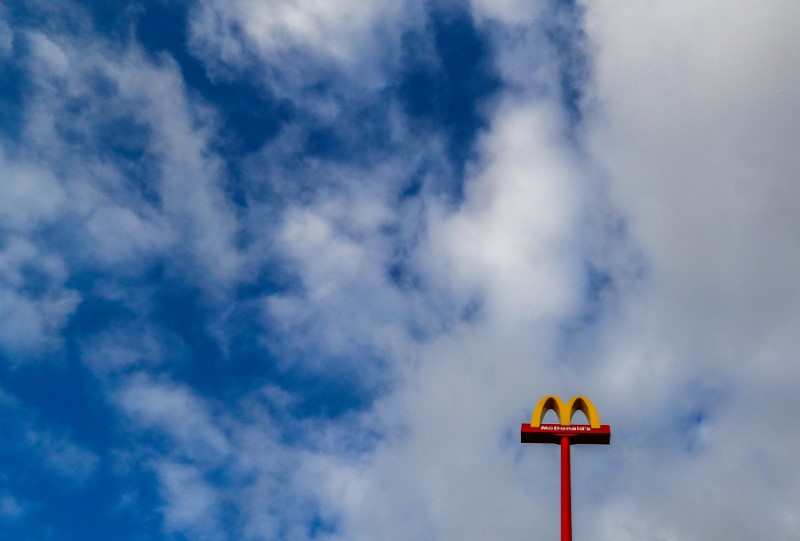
(297, 270)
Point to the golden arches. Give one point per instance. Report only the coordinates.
(581, 403)
(565, 413)
(546, 404)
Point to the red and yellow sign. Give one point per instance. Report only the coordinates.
(594, 432)
(565, 434)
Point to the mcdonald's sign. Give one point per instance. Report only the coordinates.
(565, 434)
(593, 433)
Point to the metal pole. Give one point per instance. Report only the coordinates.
(566, 492)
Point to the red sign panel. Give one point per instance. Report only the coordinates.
(577, 434)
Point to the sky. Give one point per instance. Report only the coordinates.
(297, 270)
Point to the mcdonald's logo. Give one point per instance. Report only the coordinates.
(593, 433)
(565, 434)
(565, 413)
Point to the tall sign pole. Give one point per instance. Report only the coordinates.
(566, 492)
(565, 434)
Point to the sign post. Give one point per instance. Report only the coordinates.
(566, 492)
(565, 435)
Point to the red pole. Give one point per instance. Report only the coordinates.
(566, 496)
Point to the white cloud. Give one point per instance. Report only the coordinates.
(295, 45)
(119, 212)
(175, 411)
(190, 501)
(34, 304)
(326, 28)
(129, 347)
(513, 13)
(447, 468)
(50, 60)
(32, 196)
(512, 242)
(76, 202)
(697, 143)
(119, 235)
(63, 457)
(344, 311)
(691, 114)
(11, 509)
(694, 134)
(346, 293)
(33, 325)
(214, 460)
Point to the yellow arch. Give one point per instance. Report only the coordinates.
(565, 413)
(546, 404)
(585, 405)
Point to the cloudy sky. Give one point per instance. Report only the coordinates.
(299, 269)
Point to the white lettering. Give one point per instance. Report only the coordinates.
(571, 428)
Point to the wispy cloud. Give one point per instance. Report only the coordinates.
(40, 450)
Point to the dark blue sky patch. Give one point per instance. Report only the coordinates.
(446, 81)
(34, 281)
(270, 280)
(126, 142)
(565, 32)
(182, 310)
(323, 388)
(52, 412)
(121, 133)
(95, 311)
(351, 139)
(400, 275)
(247, 364)
(412, 187)
(91, 512)
(116, 19)
(322, 527)
(51, 16)
(64, 395)
(471, 310)
(325, 142)
(320, 394)
(360, 134)
(599, 284)
(71, 134)
(469, 77)
(327, 396)
(185, 313)
(13, 87)
(249, 113)
(160, 26)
